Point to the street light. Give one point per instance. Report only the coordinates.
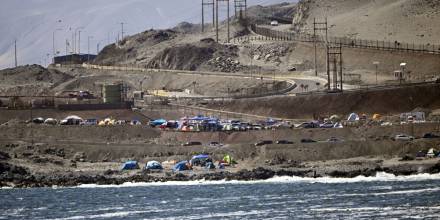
(53, 43)
(77, 29)
(88, 48)
(376, 63)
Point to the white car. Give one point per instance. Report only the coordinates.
(403, 137)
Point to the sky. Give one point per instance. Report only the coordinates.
(35, 23)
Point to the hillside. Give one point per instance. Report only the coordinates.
(30, 80)
(390, 101)
(409, 21)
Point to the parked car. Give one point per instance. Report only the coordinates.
(403, 137)
(256, 127)
(265, 142)
(90, 121)
(327, 125)
(38, 120)
(307, 140)
(284, 142)
(215, 144)
(430, 135)
(308, 125)
(192, 143)
(334, 139)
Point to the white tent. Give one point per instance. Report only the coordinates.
(353, 117)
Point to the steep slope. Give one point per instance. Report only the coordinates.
(410, 21)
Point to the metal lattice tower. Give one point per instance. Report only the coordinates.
(240, 7)
(209, 3)
(319, 26)
(216, 20)
(334, 68)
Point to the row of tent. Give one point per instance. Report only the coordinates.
(76, 120)
(203, 160)
(202, 123)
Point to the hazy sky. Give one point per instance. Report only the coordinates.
(33, 22)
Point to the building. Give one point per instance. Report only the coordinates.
(74, 59)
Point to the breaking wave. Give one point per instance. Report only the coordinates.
(380, 177)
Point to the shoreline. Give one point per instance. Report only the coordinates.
(117, 178)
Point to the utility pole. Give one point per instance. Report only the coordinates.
(216, 20)
(79, 42)
(122, 30)
(53, 43)
(88, 48)
(15, 49)
(318, 26)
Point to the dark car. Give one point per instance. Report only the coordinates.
(334, 139)
(284, 142)
(192, 143)
(307, 140)
(261, 143)
(430, 135)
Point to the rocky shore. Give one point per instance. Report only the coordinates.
(19, 177)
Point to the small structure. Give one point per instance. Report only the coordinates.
(412, 117)
(74, 59)
(112, 93)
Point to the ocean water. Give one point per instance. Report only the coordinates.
(381, 197)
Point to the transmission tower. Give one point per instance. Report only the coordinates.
(334, 68)
(209, 3)
(317, 27)
(240, 7)
(216, 21)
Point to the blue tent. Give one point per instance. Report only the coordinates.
(130, 165)
(181, 166)
(158, 122)
(200, 156)
(153, 165)
(199, 118)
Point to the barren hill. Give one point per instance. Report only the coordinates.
(410, 21)
(30, 80)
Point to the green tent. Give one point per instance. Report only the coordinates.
(229, 160)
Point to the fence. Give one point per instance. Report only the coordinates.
(269, 34)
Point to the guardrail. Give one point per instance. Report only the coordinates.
(291, 85)
(269, 34)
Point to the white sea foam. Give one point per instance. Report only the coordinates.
(380, 177)
(105, 215)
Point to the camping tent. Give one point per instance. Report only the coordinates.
(200, 156)
(181, 166)
(50, 121)
(130, 165)
(228, 160)
(153, 165)
(376, 116)
(158, 122)
(335, 118)
(199, 159)
(353, 117)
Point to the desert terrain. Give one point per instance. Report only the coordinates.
(253, 79)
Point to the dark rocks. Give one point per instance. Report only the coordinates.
(434, 169)
(407, 157)
(55, 152)
(4, 156)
